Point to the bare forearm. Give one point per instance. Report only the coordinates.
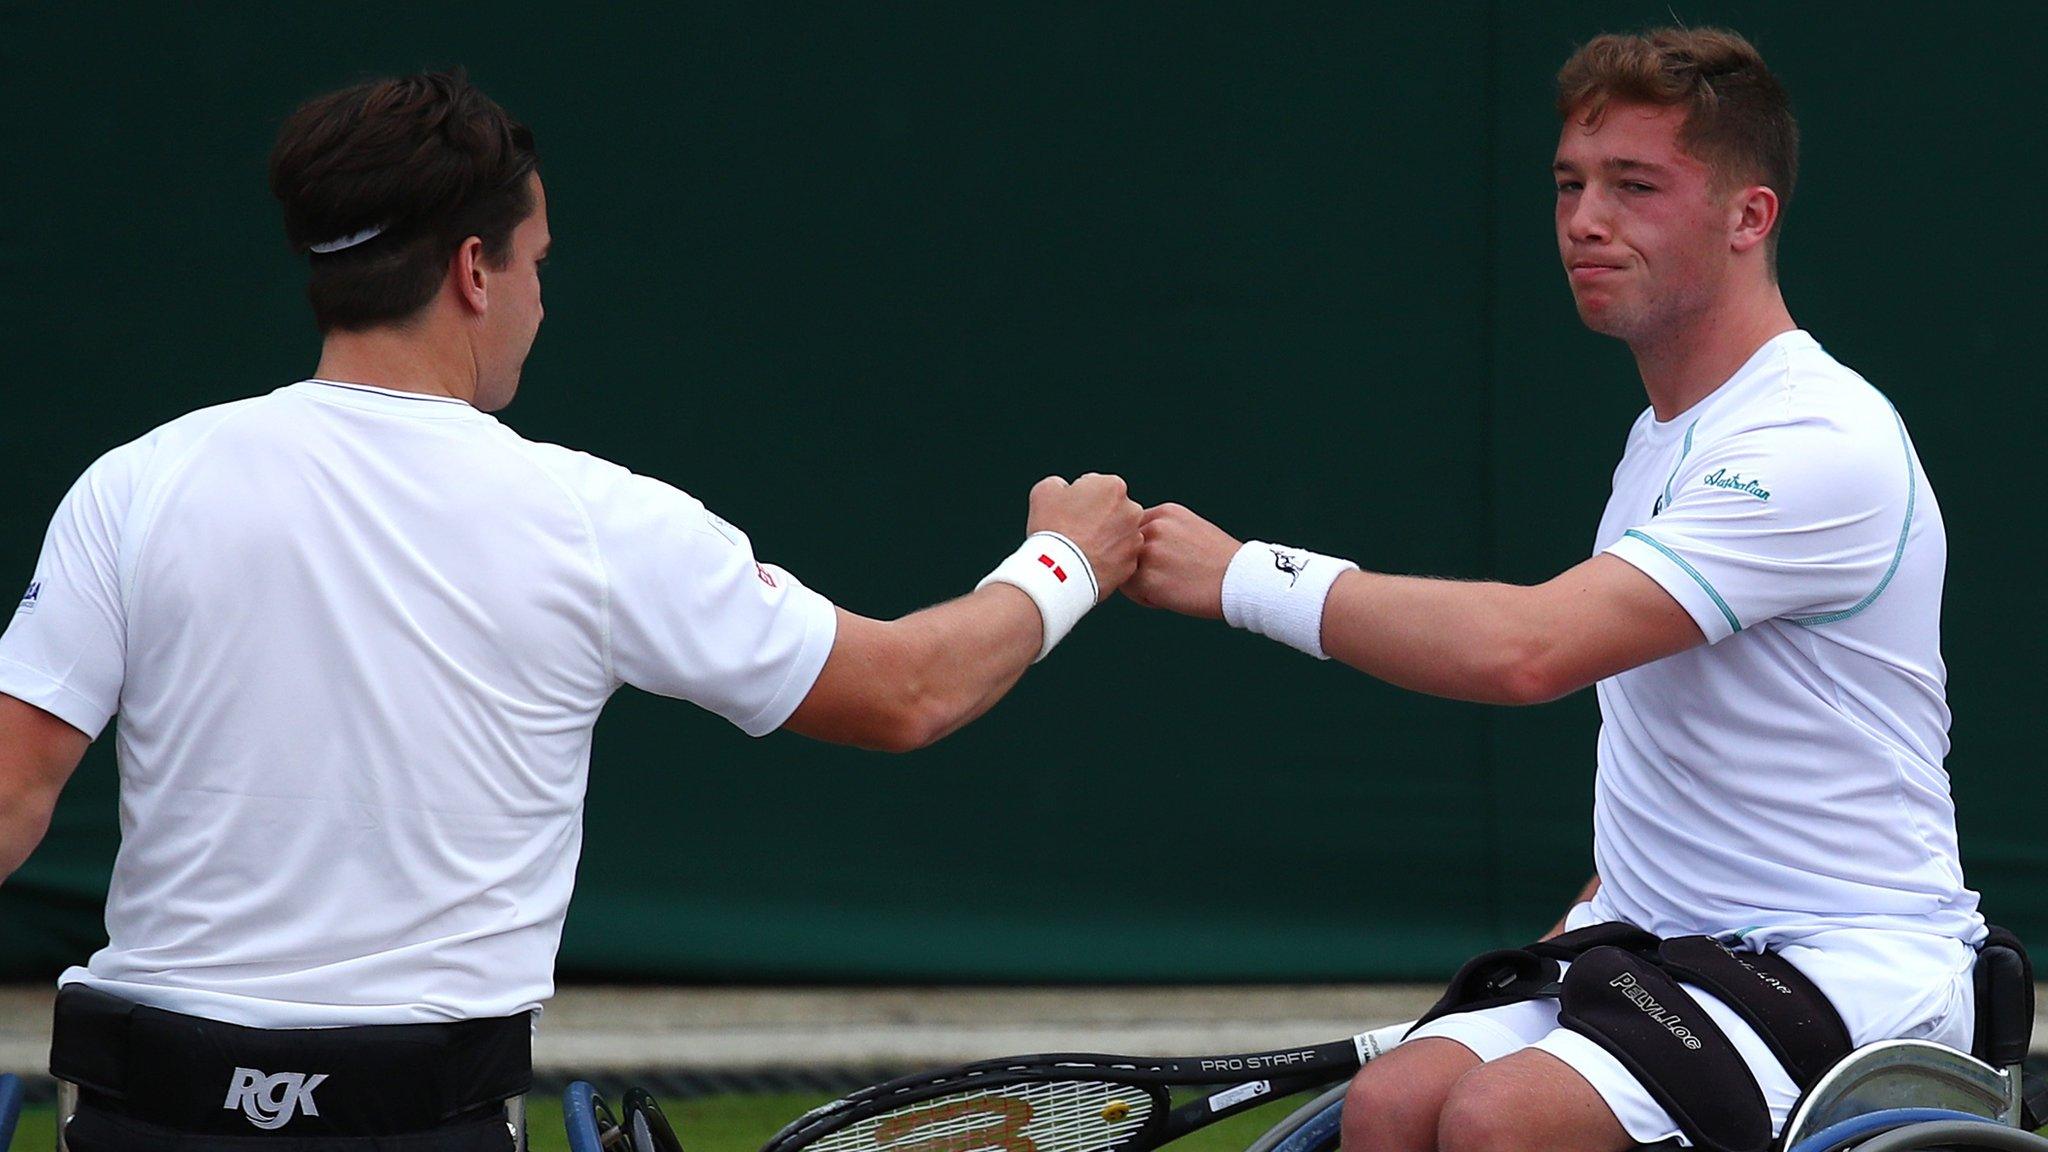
(1463, 640)
(1585, 894)
(1493, 643)
(971, 651)
(898, 685)
(38, 753)
(24, 821)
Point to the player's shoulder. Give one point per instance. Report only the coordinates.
(1810, 436)
(172, 440)
(1801, 402)
(595, 482)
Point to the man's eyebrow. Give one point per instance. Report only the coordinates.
(1629, 164)
(1615, 164)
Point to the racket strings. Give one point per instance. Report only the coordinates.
(1052, 1116)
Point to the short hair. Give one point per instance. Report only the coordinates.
(1738, 117)
(428, 159)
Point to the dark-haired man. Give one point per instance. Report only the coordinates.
(358, 633)
(1761, 618)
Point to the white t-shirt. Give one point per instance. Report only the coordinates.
(1785, 779)
(358, 640)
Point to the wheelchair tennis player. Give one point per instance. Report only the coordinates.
(1774, 841)
(358, 634)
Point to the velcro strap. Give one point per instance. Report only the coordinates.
(1613, 934)
(1490, 979)
(1659, 1033)
(1788, 1011)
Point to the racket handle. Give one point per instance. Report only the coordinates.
(1379, 1041)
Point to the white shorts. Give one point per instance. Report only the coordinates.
(1886, 985)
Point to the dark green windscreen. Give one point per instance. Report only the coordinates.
(857, 275)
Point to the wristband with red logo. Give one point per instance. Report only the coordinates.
(1055, 573)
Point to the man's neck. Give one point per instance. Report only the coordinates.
(401, 360)
(1684, 365)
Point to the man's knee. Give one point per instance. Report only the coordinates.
(1392, 1104)
(1528, 1102)
(1474, 1121)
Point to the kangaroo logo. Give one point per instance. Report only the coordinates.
(270, 1102)
(1289, 563)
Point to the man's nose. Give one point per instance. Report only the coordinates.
(1590, 221)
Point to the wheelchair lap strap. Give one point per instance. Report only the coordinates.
(1613, 934)
(1491, 979)
(1639, 1015)
(1790, 1014)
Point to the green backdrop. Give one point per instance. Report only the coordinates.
(857, 275)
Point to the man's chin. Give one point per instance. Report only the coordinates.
(1602, 316)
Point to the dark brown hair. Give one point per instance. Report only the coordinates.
(1738, 117)
(428, 159)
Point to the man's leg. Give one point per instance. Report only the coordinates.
(1530, 1101)
(1394, 1101)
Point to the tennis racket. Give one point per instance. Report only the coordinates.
(1069, 1102)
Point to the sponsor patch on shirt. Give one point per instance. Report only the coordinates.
(1719, 478)
(722, 526)
(29, 598)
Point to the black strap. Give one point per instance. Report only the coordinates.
(1613, 934)
(1490, 979)
(96, 1130)
(1790, 1013)
(201, 1076)
(2005, 999)
(1645, 1020)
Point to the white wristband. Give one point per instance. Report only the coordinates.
(1279, 591)
(1055, 573)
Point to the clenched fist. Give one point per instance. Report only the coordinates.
(1182, 563)
(1098, 515)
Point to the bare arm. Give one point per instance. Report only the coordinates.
(1505, 643)
(38, 753)
(899, 685)
(1585, 894)
(1494, 643)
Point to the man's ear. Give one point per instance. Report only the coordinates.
(466, 269)
(1753, 213)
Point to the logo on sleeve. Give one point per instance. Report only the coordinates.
(1719, 478)
(722, 526)
(29, 598)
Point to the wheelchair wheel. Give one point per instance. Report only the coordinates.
(1313, 1127)
(650, 1129)
(10, 1107)
(1972, 1135)
(589, 1120)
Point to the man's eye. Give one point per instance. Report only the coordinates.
(1569, 185)
(1636, 186)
